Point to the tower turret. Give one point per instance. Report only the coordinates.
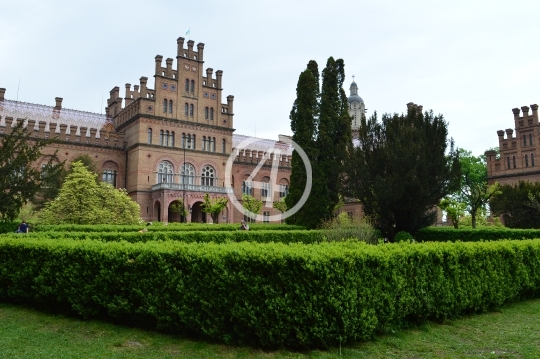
(356, 108)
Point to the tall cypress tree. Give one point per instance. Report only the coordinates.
(303, 124)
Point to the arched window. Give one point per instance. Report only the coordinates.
(508, 162)
(265, 187)
(191, 110)
(165, 172)
(530, 139)
(192, 85)
(524, 140)
(514, 160)
(207, 176)
(526, 161)
(283, 188)
(172, 139)
(149, 136)
(186, 109)
(109, 176)
(223, 145)
(532, 159)
(206, 113)
(166, 138)
(187, 174)
(164, 105)
(170, 106)
(161, 139)
(213, 144)
(247, 188)
(187, 85)
(194, 144)
(204, 143)
(211, 113)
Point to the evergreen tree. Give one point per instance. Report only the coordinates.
(401, 170)
(516, 206)
(303, 124)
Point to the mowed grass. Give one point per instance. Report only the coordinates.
(511, 332)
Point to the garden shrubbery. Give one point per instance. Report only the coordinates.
(444, 234)
(269, 295)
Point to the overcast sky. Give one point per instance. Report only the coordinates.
(472, 61)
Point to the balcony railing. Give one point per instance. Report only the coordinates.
(191, 187)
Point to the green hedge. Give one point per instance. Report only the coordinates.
(159, 227)
(267, 236)
(444, 234)
(269, 295)
(8, 227)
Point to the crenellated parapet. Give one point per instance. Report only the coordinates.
(252, 151)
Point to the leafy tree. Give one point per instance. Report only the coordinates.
(251, 204)
(87, 162)
(401, 169)
(514, 205)
(177, 206)
(280, 205)
(454, 209)
(214, 207)
(304, 117)
(52, 177)
(84, 201)
(20, 180)
(475, 191)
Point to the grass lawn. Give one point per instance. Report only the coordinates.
(512, 332)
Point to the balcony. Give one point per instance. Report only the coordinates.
(191, 187)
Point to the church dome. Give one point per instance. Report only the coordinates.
(354, 94)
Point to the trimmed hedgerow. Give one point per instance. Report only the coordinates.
(269, 295)
(8, 227)
(159, 227)
(444, 234)
(189, 237)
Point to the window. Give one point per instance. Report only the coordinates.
(171, 140)
(206, 113)
(165, 106)
(530, 139)
(192, 86)
(191, 110)
(187, 85)
(247, 188)
(266, 217)
(187, 174)
(249, 219)
(170, 106)
(223, 145)
(167, 135)
(161, 139)
(207, 176)
(265, 187)
(526, 161)
(149, 136)
(165, 172)
(514, 160)
(283, 190)
(186, 109)
(211, 113)
(109, 176)
(204, 143)
(508, 162)
(524, 140)
(532, 159)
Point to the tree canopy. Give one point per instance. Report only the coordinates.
(402, 168)
(82, 200)
(20, 180)
(214, 207)
(251, 204)
(515, 203)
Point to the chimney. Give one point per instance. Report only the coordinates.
(209, 72)
(515, 111)
(143, 81)
(180, 42)
(58, 103)
(190, 44)
(535, 113)
(200, 49)
(2, 92)
(219, 74)
(230, 100)
(525, 110)
(159, 59)
(168, 72)
(509, 133)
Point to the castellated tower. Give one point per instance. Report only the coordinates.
(357, 108)
(518, 160)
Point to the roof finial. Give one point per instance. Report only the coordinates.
(353, 78)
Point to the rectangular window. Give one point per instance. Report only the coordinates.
(532, 159)
(247, 188)
(514, 160)
(530, 139)
(283, 190)
(508, 162)
(526, 161)
(266, 217)
(524, 140)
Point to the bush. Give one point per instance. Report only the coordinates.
(8, 227)
(269, 295)
(343, 227)
(444, 234)
(403, 236)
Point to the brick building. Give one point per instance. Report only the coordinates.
(169, 142)
(518, 159)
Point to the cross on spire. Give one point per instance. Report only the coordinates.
(353, 78)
